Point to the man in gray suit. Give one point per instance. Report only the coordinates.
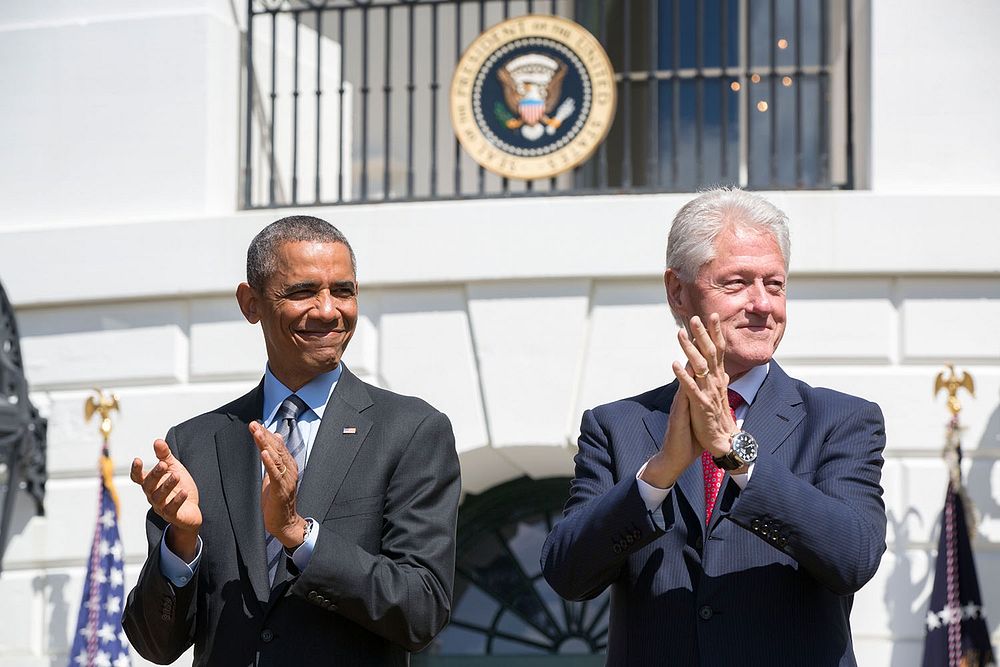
(735, 511)
(311, 521)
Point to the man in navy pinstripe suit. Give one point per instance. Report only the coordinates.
(735, 511)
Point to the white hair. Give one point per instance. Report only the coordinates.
(691, 242)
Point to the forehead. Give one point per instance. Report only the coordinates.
(315, 260)
(741, 244)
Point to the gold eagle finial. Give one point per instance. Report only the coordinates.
(952, 383)
(103, 405)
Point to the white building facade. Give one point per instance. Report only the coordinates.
(123, 233)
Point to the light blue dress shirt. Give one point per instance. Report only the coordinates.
(316, 394)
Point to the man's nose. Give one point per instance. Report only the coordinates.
(759, 299)
(326, 307)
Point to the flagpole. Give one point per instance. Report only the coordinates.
(99, 640)
(956, 634)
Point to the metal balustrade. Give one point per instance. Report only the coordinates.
(347, 100)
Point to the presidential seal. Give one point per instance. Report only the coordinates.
(533, 97)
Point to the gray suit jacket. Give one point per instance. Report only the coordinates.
(770, 581)
(380, 580)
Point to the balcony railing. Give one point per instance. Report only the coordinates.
(347, 100)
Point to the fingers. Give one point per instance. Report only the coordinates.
(688, 384)
(135, 473)
(715, 326)
(706, 346)
(267, 441)
(278, 463)
(162, 493)
(162, 450)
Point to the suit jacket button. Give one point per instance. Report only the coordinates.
(617, 548)
(165, 617)
(629, 539)
(312, 595)
(636, 533)
(706, 613)
(266, 635)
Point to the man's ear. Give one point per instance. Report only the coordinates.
(246, 296)
(677, 297)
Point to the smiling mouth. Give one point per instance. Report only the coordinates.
(319, 334)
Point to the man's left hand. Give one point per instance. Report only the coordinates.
(705, 381)
(279, 488)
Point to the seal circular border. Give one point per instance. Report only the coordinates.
(596, 127)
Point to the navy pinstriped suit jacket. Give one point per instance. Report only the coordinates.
(771, 580)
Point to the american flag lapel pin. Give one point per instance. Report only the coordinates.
(350, 430)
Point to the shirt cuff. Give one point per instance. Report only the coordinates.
(173, 566)
(744, 477)
(653, 496)
(302, 554)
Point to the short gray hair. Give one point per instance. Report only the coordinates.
(264, 247)
(691, 242)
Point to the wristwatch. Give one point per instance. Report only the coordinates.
(743, 450)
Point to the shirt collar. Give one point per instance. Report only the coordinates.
(749, 384)
(316, 393)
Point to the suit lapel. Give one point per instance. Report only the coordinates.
(340, 436)
(775, 412)
(691, 484)
(239, 468)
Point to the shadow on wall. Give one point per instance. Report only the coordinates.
(53, 590)
(986, 499)
(901, 591)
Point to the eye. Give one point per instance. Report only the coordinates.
(775, 286)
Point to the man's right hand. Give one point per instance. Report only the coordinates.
(679, 448)
(173, 495)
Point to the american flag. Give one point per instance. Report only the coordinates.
(99, 640)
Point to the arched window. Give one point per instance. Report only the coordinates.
(503, 606)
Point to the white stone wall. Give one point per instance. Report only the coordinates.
(120, 246)
(505, 330)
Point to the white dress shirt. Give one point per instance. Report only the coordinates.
(746, 386)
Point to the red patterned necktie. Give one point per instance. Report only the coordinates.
(713, 474)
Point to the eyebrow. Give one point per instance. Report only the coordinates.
(311, 284)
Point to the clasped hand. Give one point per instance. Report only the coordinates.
(173, 494)
(700, 418)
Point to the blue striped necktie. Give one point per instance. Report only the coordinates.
(289, 413)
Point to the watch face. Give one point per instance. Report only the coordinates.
(745, 447)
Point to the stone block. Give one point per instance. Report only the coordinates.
(146, 413)
(223, 344)
(630, 345)
(426, 350)
(80, 346)
(66, 532)
(529, 339)
(916, 419)
(18, 632)
(838, 320)
(953, 319)
(362, 355)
